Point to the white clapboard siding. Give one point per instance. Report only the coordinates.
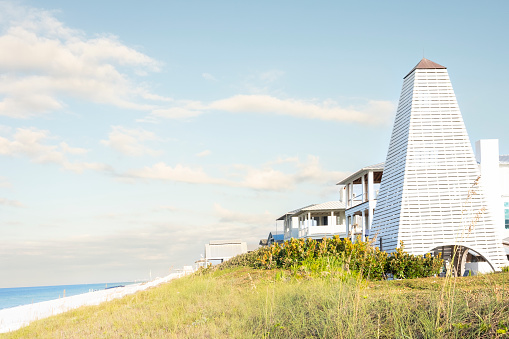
(430, 195)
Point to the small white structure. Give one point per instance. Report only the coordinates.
(431, 196)
(504, 184)
(360, 193)
(315, 221)
(495, 179)
(218, 251)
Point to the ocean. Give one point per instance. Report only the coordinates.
(16, 296)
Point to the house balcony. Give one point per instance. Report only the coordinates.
(311, 230)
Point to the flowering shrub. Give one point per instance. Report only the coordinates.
(359, 257)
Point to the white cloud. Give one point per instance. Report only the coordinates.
(373, 112)
(229, 216)
(4, 183)
(267, 178)
(271, 76)
(179, 173)
(312, 171)
(165, 208)
(72, 150)
(208, 76)
(263, 178)
(176, 112)
(12, 203)
(204, 153)
(31, 143)
(128, 141)
(47, 61)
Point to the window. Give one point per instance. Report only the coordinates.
(506, 213)
(325, 221)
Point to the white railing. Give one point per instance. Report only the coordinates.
(308, 231)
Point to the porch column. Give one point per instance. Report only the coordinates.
(347, 196)
(371, 194)
(332, 221)
(363, 226)
(370, 217)
(350, 195)
(347, 223)
(301, 225)
(352, 222)
(363, 184)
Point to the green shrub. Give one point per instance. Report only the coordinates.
(360, 256)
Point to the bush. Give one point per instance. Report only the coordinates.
(360, 257)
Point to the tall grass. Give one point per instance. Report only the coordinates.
(318, 299)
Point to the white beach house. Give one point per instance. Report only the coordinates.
(315, 221)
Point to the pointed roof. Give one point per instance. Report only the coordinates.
(426, 64)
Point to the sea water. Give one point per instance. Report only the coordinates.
(16, 296)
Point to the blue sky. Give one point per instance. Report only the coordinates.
(132, 135)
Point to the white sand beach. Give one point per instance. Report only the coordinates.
(16, 317)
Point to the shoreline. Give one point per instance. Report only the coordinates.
(14, 318)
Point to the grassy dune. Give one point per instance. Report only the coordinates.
(248, 303)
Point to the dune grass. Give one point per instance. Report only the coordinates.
(301, 303)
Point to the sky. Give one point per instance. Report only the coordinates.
(132, 135)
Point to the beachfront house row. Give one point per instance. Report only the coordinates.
(315, 221)
(352, 215)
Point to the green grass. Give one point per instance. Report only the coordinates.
(314, 300)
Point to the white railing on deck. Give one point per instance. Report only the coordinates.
(311, 230)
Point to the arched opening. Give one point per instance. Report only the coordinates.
(462, 260)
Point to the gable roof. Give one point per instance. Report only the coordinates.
(376, 167)
(293, 212)
(330, 205)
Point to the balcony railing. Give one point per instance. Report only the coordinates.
(360, 198)
(309, 231)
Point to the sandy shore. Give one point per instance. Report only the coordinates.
(16, 317)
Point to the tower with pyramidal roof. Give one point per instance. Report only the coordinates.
(431, 196)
